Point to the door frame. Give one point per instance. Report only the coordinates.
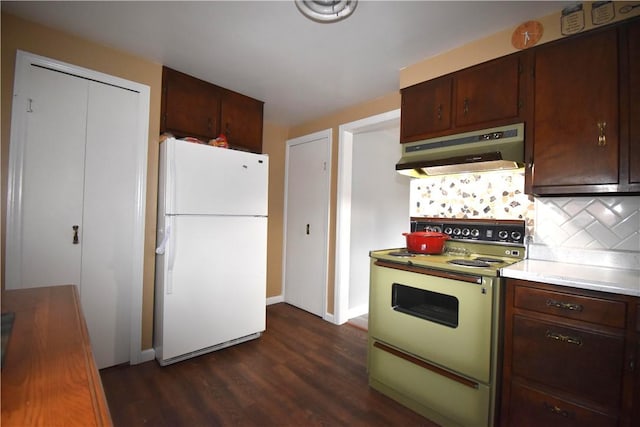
(16, 168)
(342, 313)
(328, 134)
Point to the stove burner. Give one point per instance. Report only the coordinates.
(401, 253)
(469, 262)
(489, 260)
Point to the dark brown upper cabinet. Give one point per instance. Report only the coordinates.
(488, 93)
(196, 108)
(633, 102)
(482, 96)
(190, 107)
(584, 134)
(241, 120)
(426, 109)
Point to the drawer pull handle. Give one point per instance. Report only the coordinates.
(563, 338)
(425, 365)
(564, 305)
(556, 410)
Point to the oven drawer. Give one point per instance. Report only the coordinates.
(576, 361)
(579, 307)
(465, 347)
(431, 394)
(533, 408)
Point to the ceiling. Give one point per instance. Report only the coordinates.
(268, 50)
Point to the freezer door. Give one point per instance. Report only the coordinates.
(212, 284)
(200, 179)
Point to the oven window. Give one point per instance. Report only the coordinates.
(438, 308)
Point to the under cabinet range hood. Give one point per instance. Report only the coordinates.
(498, 148)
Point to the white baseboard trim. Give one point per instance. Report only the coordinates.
(358, 311)
(330, 317)
(147, 355)
(275, 300)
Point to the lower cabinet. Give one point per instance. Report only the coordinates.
(636, 384)
(569, 357)
(532, 407)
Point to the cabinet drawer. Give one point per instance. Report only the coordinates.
(584, 363)
(428, 392)
(529, 407)
(594, 310)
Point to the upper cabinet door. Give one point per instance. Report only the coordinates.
(482, 96)
(633, 36)
(241, 121)
(191, 107)
(576, 130)
(426, 108)
(488, 92)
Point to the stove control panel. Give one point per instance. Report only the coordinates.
(506, 231)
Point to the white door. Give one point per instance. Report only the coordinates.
(108, 221)
(77, 161)
(307, 222)
(52, 181)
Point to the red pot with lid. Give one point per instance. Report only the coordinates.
(426, 242)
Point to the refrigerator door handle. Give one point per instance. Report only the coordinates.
(171, 255)
(166, 248)
(165, 239)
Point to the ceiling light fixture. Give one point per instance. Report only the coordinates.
(326, 11)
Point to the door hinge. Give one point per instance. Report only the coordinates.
(324, 166)
(30, 106)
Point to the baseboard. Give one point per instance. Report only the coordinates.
(329, 317)
(358, 311)
(275, 300)
(147, 355)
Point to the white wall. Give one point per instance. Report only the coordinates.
(379, 206)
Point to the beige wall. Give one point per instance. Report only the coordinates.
(33, 38)
(20, 34)
(30, 37)
(494, 46)
(273, 144)
(473, 53)
(380, 105)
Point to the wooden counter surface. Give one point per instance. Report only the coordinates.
(49, 375)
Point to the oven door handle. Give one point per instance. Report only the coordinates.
(426, 365)
(431, 272)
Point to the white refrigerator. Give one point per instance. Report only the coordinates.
(211, 259)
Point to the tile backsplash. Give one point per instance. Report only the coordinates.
(495, 195)
(581, 228)
(589, 222)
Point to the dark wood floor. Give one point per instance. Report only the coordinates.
(303, 371)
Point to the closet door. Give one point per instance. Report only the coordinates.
(109, 220)
(52, 182)
(76, 161)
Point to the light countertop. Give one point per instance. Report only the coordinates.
(603, 279)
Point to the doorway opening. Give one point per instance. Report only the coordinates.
(372, 207)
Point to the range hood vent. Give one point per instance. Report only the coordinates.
(499, 148)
